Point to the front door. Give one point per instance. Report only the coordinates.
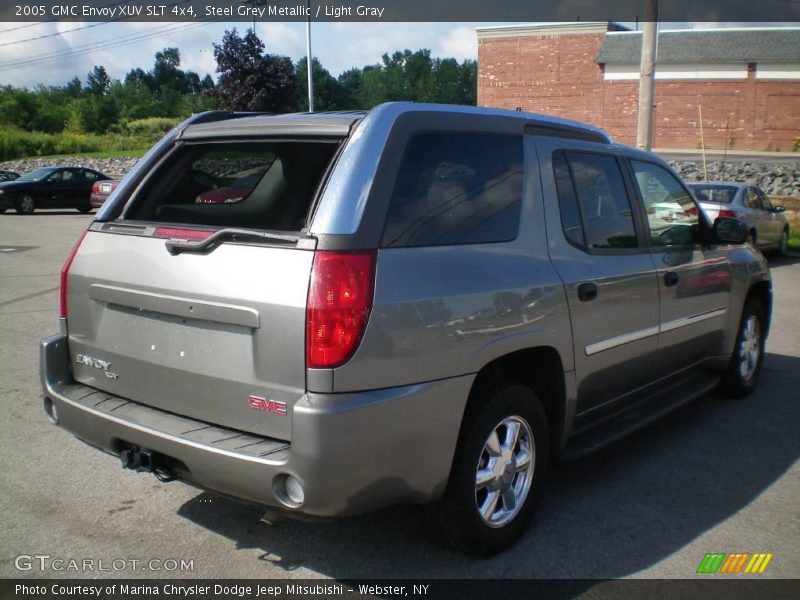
(694, 279)
(598, 250)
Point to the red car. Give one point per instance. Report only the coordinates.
(101, 190)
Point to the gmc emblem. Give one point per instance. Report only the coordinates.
(273, 406)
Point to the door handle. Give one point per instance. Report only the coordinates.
(587, 292)
(670, 278)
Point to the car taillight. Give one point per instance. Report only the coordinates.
(96, 187)
(339, 301)
(62, 304)
(182, 233)
(724, 213)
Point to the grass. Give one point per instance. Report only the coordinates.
(794, 240)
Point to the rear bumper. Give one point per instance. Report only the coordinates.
(352, 453)
(97, 200)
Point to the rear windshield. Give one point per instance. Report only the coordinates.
(257, 185)
(719, 194)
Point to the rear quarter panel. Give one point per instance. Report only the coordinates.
(445, 311)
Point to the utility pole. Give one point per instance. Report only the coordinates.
(644, 121)
(308, 59)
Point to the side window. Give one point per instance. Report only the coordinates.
(456, 188)
(56, 177)
(591, 189)
(567, 200)
(672, 215)
(72, 176)
(766, 204)
(90, 175)
(751, 199)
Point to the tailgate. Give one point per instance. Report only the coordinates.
(217, 336)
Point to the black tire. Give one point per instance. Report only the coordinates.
(25, 205)
(456, 515)
(741, 376)
(783, 244)
(84, 209)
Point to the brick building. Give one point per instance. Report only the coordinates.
(746, 81)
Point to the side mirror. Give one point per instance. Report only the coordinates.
(730, 231)
(778, 209)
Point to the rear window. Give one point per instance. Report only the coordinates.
(456, 188)
(258, 185)
(719, 194)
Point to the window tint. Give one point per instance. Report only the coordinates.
(55, 177)
(455, 188)
(261, 185)
(751, 199)
(72, 176)
(90, 175)
(567, 200)
(718, 194)
(672, 216)
(596, 181)
(766, 203)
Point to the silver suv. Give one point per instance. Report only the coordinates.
(328, 314)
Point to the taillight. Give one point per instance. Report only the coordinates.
(62, 304)
(96, 187)
(339, 301)
(182, 233)
(724, 213)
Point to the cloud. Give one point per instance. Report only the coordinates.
(461, 43)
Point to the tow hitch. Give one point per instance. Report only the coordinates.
(140, 459)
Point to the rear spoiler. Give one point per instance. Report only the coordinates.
(116, 202)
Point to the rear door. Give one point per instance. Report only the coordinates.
(776, 223)
(607, 270)
(216, 334)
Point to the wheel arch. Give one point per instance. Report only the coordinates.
(762, 291)
(539, 368)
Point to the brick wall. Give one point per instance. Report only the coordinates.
(558, 75)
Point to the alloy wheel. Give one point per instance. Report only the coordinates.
(504, 471)
(749, 347)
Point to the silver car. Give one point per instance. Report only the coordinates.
(416, 304)
(766, 224)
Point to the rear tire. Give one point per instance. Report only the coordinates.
(497, 475)
(25, 205)
(84, 209)
(741, 376)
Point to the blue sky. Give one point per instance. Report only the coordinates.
(338, 46)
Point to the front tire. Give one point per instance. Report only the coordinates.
(743, 371)
(783, 244)
(498, 472)
(25, 205)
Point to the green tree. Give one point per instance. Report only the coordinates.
(328, 92)
(97, 81)
(250, 79)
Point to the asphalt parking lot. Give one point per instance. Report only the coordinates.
(715, 476)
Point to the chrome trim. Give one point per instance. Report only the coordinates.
(619, 340)
(684, 321)
(173, 305)
(634, 336)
